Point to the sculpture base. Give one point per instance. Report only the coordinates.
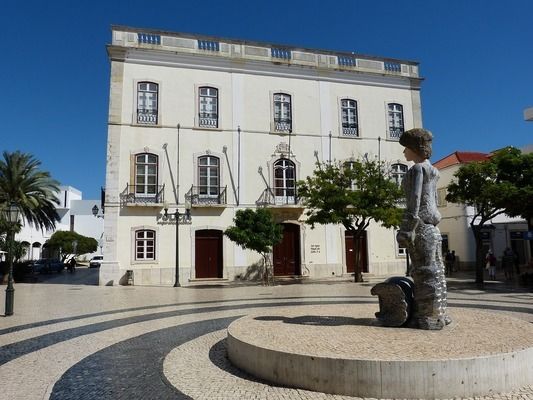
(344, 350)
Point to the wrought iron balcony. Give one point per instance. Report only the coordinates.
(147, 117)
(350, 130)
(395, 132)
(206, 195)
(208, 120)
(143, 195)
(283, 125)
(279, 197)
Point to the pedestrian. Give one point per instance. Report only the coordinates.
(516, 262)
(72, 265)
(454, 259)
(490, 262)
(448, 262)
(508, 263)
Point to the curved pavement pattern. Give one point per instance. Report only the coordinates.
(70, 342)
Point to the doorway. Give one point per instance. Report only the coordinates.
(286, 255)
(208, 254)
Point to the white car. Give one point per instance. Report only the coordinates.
(96, 261)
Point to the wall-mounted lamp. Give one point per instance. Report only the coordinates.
(95, 210)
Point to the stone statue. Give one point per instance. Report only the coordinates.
(420, 235)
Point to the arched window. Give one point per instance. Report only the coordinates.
(208, 176)
(398, 172)
(282, 112)
(349, 117)
(208, 107)
(145, 244)
(284, 181)
(146, 170)
(147, 103)
(396, 127)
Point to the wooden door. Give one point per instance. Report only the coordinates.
(351, 248)
(286, 255)
(208, 254)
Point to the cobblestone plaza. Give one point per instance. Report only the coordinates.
(69, 339)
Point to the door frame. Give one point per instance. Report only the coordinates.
(192, 274)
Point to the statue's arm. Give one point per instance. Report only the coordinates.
(414, 196)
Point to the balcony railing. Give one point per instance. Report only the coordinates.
(280, 53)
(149, 38)
(280, 197)
(350, 131)
(143, 194)
(347, 61)
(395, 132)
(392, 66)
(208, 120)
(208, 45)
(207, 195)
(283, 125)
(147, 117)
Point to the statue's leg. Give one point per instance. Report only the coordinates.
(426, 271)
(442, 276)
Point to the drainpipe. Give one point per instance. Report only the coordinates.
(238, 164)
(178, 167)
(330, 147)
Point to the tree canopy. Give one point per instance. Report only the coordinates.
(500, 185)
(352, 194)
(256, 230)
(63, 241)
(23, 182)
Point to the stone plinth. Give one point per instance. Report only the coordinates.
(341, 349)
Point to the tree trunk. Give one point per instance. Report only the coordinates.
(480, 258)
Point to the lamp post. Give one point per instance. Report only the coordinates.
(11, 215)
(186, 217)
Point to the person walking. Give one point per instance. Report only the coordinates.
(508, 263)
(490, 261)
(72, 265)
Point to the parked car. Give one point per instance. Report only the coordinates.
(44, 265)
(96, 261)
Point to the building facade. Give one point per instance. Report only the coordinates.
(218, 125)
(498, 234)
(75, 215)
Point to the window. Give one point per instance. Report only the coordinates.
(145, 245)
(146, 174)
(400, 251)
(441, 197)
(349, 117)
(398, 172)
(284, 181)
(208, 107)
(396, 127)
(282, 113)
(147, 103)
(209, 176)
(349, 165)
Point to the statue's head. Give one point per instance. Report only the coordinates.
(418, 140)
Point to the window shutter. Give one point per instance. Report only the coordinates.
(132, 173)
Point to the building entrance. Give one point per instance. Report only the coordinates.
(208, 254)
(286, 255)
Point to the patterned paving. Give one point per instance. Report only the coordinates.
(75, 341)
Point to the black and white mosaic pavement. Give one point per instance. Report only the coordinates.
(166, 343)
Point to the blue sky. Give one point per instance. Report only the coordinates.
(476, 57)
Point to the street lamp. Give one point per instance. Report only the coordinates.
(186, 216)
(95, 212)
(11, 215)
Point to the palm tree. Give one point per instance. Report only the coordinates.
(31, 189)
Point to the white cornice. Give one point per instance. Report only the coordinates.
(258, 67)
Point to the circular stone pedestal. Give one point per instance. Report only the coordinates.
(341, 349)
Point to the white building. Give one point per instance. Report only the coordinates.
(75, 215)
(232, 124)
(498, 234)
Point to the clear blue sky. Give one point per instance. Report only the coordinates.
(476, 57)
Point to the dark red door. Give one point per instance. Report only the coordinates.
(351, 248)
(208, 254)
(287, 253)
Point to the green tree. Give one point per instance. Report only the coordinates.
(256, 230)
(490, 187)
(352, 194)
(33, 190)
(518, 168)
(64, 243)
